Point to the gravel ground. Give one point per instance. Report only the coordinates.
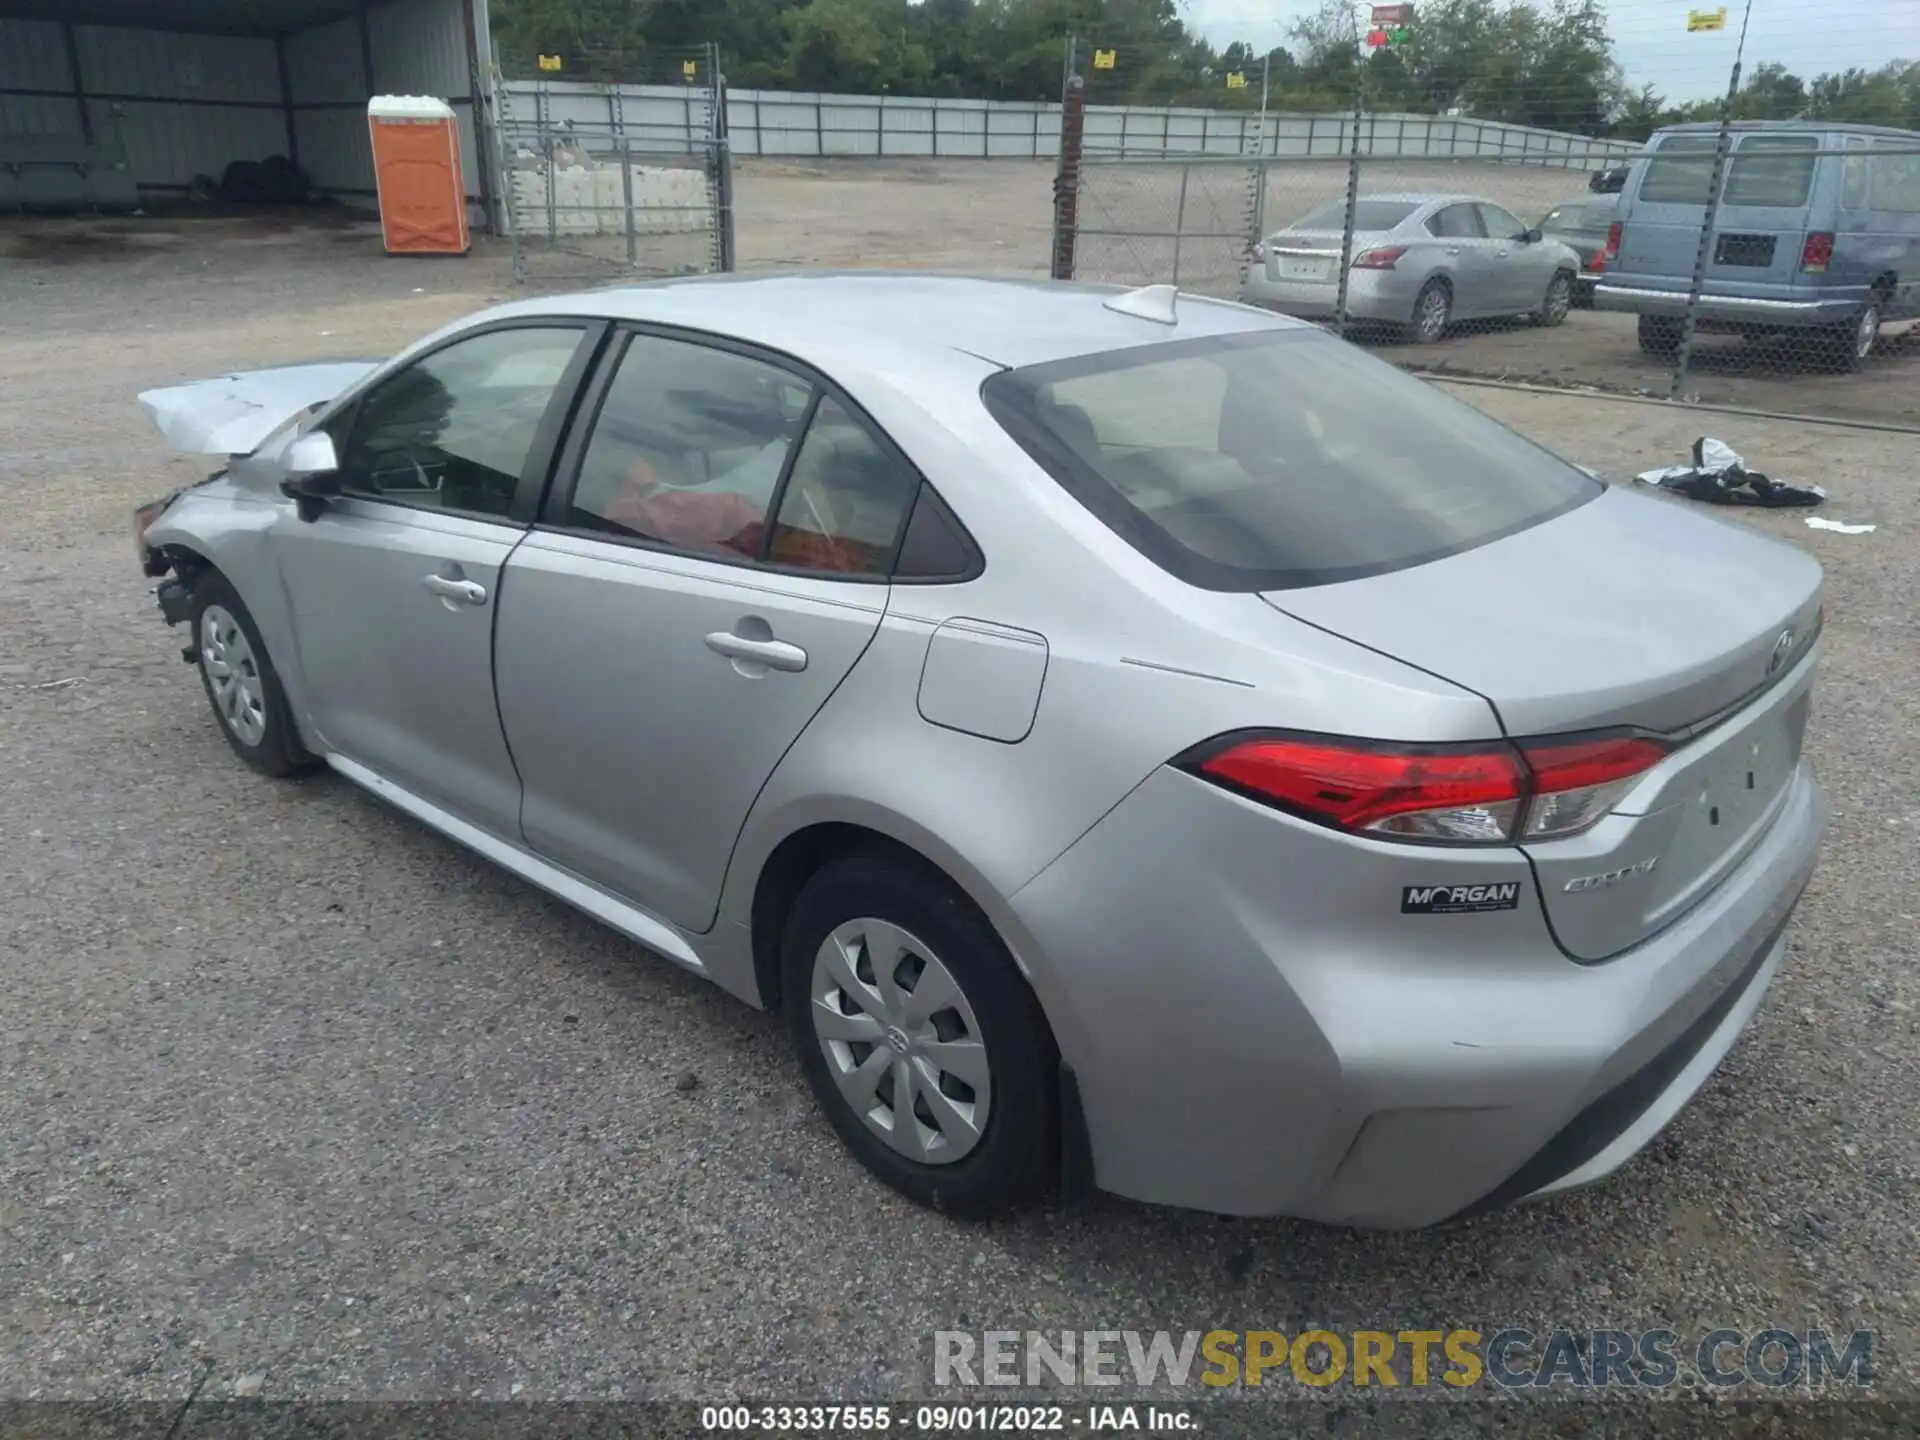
(293, 1088)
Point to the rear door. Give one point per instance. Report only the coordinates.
(713, 560)
(1759, 229)
(1465, 258)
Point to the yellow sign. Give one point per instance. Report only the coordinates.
(1103, 59)
(549, 62)
(1236, 80)
(1707, 19)
(687, 68)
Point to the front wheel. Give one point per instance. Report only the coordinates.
(1432, 309)
(1555, 304)
(240, 680)
(918, 1036)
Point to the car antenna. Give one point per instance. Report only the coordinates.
(1151, 302)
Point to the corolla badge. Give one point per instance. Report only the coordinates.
(1611, 877)
(1782, 651)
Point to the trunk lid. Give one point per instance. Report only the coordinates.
(1312, 257)
(1628, 611)
(231, 414)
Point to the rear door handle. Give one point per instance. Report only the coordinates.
(774, 654)
(468, 592)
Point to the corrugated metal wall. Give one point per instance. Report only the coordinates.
(33, 57)
(187, 105)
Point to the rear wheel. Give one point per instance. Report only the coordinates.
(1432, 309)
(1848, 347)
(240, 680)
(1659, 335)
(919, 1037)
(1558, 300)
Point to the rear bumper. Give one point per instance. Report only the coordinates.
(1732, 309)
(1371, 295)
(1255, 1029)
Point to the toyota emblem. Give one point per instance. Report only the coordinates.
(1782, 648)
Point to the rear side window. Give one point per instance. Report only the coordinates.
(1772, 170)
(1896, 180)
(1278, 459)
(1456, 222)
(1681, 170)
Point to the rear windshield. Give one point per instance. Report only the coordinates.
(1367, 215)
(1681, 170)
(1278, 459)
(1771, 170)
(1576, 217)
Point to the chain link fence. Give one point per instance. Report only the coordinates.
(621, 175)
(1755, 262)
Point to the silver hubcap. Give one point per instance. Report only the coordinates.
(1559, 299)
(901, 1041)
(1433, 313)
(1867, 332)
(238, 692)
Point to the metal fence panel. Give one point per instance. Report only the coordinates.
(601, 182)
(1835, 342)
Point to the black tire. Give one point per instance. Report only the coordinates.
(1660, 335)
(1422, 329)
(1557, 303)
(1847, 348)
(1017, 1152)
(276, 750)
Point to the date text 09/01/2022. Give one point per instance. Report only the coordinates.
(944, 1419)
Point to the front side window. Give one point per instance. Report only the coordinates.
(1278, 459)
(453, 430)
(1772, 170)
(1501, 224)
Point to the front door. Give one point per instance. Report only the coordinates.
(393, 587)
(1519, 272)
(713, 561)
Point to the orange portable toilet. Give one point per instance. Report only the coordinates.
(416, 166)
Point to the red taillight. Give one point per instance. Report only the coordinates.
(1382, 259)
(1817, 253)
(1491, 794)
(1597, 261)
(1612, 252)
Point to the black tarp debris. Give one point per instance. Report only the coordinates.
(1720, 477)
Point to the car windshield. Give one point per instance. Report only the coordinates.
(1278, 459)
(1367, 215)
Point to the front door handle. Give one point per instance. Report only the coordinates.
(467, 592)
(774, 654)
(1453, 250)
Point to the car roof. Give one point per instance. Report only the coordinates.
(1008, 321)
(1800, 127)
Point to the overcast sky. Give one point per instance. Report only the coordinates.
(1650, 38)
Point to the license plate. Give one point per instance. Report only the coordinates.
(1303, 267)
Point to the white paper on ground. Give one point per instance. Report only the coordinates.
(1839, 527)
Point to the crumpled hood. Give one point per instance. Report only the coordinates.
(231, 414)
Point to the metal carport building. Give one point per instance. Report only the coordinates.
(182, 88)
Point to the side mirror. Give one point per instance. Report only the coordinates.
(312, 469)
(1530, 237)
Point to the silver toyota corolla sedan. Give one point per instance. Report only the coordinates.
(1134, 738)
(1420, 262)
